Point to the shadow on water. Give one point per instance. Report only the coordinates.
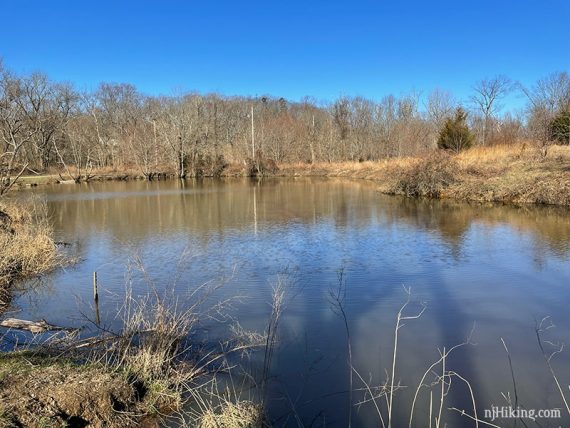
(326, 402)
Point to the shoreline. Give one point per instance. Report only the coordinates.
(509, 175)
(513, 174)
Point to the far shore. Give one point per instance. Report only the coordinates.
(509, 174)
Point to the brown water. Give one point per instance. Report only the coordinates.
(496, 267)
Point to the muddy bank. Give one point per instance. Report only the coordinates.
(42, 391)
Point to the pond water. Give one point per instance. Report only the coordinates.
(490, 269)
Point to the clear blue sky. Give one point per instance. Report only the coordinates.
(286, 48)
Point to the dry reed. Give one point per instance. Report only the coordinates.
(26, 242)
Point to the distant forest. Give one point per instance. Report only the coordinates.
(51, 126)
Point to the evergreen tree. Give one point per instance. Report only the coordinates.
(559, 128)
(455, 134)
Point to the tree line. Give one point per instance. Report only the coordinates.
(51, 125)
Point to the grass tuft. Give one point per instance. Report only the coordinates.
(243, 414)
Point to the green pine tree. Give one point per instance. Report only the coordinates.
(559, 128)
(455, 134)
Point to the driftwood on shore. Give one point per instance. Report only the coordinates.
(40, 326)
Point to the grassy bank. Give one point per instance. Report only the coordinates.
(139, 376)
(142, 372)
(118, 378)
(514, 174)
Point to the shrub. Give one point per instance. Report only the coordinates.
(428, 177)
(261, 165)
(455, 134)
(209, 166)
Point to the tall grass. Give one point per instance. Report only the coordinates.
(26, 243)
(157, 347)
(243, 403)
(153, 344)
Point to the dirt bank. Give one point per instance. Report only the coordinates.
(40, 391)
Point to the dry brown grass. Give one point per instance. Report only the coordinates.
(153, 341)
(515, 173)
(243, 414)
(114, 379)
(27, 245)
(150, 363)
(428, 177)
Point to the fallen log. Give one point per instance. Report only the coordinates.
(94, 341)
(40, 326)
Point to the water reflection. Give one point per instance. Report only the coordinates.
(128, 210)
(497, 266)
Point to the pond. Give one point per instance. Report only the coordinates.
(485, 271)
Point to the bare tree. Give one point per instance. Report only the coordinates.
(551, 93)
(77, 154)
(47, 107)
(175, 128)
(549, 96)
(387, 119)
(440, 106)
(14, 133)
(487, 97)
